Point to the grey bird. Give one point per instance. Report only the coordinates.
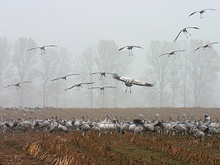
(130, 49)
(102, 74)
(129, 82)
(17, 84)
(102, 88)
(200, 12)
(78, 86)
(184, 30)
(171, 53)
(42, 48)
(205, 46)
(64, 77)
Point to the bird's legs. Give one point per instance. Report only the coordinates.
(186, 32)
(130, 53)
(201, 15)
(126, 89)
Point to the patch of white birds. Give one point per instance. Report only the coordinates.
(184, 125)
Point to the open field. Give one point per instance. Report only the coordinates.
(38, 147)
(164, 113)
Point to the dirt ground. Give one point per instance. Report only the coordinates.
(128, 113)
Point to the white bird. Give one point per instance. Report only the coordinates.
(172, 53)
(78, 86)
(64, 77)
(42, 48)
(130, 49)
(17, 84)
(130, 82)
(102, 88)
(102, 74)
(205, 46)
(200, 12)
(184, 30)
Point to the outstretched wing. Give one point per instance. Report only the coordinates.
(198, 48)
(72, 74)
(163, 54)
(209, 9)
(121, 78)
(95, 88)
(24, 82)
(70, 87)
(95, 73)
(142, 83)
(192, 27)
(33, 48)
(137, 47)
(193, 13)
(213, 43)
(178, 35)
(9, 85)
(50, 46)
(179, 51)
(110, 86)
(122, 48)
(57, 79)
(88, 83)
(109, 73)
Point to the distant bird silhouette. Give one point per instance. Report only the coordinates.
(102, 88)
(78, 86)
(130, 49)
(171, 53)
(42, 48)
(17, 84)
(129, 82)
(205, 46)
(200, 12)
(102, 74)
(64, 77)
(185, 32)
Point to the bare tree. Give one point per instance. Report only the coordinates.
(24, 61)
(105, 57)
(204, 69)
(159, 68)
(62, 67)
(5, 57)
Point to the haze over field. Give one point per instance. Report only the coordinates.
(88, 35)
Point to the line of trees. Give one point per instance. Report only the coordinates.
(186, 79)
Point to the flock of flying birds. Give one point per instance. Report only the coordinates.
(128, 81)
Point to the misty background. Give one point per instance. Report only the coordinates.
(88, 35)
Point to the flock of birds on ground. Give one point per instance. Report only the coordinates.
(184, 125)
(128, 81)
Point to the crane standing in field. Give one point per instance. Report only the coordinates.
(129, 82)
(42, 48)
(130, 49)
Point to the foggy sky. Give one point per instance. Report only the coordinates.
(78, 24)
